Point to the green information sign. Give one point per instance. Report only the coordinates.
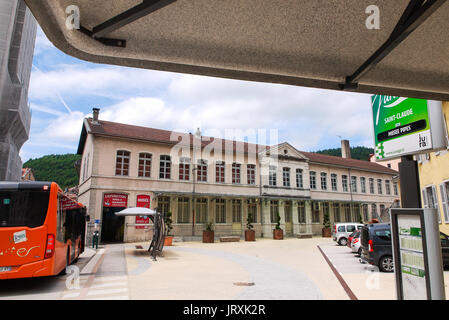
(401, 126)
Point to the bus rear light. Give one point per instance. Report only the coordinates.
(50, 248)
(370, 246)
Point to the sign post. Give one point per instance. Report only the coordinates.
(404, 127)
(417, 254)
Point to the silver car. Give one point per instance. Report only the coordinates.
(355, 244)
(341, 231)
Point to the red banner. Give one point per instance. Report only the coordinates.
(115, 200)
(143, 201)
(68, 204)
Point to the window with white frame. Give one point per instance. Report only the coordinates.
(122, 163)
(144, 164)
(274, 210)
(272, 176)
(347, 211)
(387, 187)
(301, 212)
(220, 172)
(165, 167)
(371, 185)
(374, 214)
(323, 179)
(220, 211)
(286, 177)
(251, 174)
(334, 182)
(236, 173)
(336, 211)
(363, 184)
(312, 176)
(353, 183)
(379, 186)
(365, 212)
(344, 183)
(395, 188)
(184, 169)
(183, 210)
(201, 210)
(299, 182)
(202, 171)
(236, 210)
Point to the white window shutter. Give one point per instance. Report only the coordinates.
(444, 202)
(435, 202)
(424, 198)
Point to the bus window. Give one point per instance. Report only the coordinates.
(24, 208)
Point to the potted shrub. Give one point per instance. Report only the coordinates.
(326, 230)
(208, 234)
(168, 228)
(250, 234)
(278, 233)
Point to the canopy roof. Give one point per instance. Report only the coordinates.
(308, 43)
(136, 211)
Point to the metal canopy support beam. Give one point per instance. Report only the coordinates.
(106, 41)
(414, 15)
(131, 15)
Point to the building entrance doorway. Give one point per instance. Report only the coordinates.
(113, 227)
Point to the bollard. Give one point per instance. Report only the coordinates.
(95, 240)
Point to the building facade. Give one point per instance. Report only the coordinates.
(17, 37)
(202, 179)
(434, 180)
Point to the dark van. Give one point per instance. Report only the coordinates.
(375, 240)
(377, 249)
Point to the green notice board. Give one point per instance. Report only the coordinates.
(401, 126)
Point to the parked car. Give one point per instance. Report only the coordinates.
(377, 249)
(341, 231)
(376, 246)
(351, 236)
(355, 245)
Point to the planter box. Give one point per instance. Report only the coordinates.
(250, 235)
(168, 241)
(278, 234)
(326, 232)
(208, 236)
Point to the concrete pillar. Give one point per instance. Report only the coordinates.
(295, 217)
(308, 208)
(265, 215)
(282, 214)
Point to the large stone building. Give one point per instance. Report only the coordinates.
(201, 179)
(17, 37)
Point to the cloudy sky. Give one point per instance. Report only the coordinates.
(63, 90)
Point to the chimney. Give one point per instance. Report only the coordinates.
(345, 149)
(198, 133)
(96, 111)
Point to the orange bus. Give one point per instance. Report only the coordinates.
(41, 230)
